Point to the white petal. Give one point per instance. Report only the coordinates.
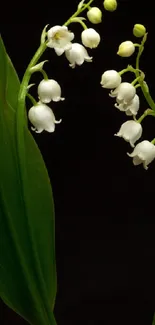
(59, 51)
(88, 58)
(137, 161)
(50, 44)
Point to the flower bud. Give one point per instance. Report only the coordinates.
(143, 153)
(130, 131)
(110, 5)
(139, 30)
(90, 38)
(126, 49)
(110, 79)
(49, 90)
(94, 15)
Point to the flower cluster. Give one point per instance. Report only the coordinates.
(41, 115)
(127, 101)
(60, 38)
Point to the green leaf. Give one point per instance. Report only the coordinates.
(27, 255)
(153, 322)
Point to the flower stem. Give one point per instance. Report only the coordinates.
(136, 45)
(21, 120)
(78, 20)
(137, 86)
(145, 93)
(146, 113)
(78, 12)
(135, 80)
(123, 71)
(44, 74)
(32, 99)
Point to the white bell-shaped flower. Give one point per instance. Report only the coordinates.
(130, 131)
(110, 79)
(131, 108)
(90, 38)
(49, 90)
(59, 38)
(143, 153)
(42, 118)
(77, 55)
(126, 49)
(124, 93)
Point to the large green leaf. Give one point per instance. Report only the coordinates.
(27, 247)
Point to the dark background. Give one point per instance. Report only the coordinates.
(105, 228)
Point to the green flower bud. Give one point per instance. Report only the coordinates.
(139, 30)
(110, 5)
(126, 49)
(94, 15)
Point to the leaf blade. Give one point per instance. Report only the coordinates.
(24, 268)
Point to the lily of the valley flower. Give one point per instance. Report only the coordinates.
(90, 38)
(126, 49)
(77, 55)
(49, 90)
(59, 38)
(130, 131)
(110, 79)
(143, 153)
(94, 15)
(131, 108)
(42, 117)
(124, 93)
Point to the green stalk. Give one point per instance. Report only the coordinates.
(21, 124)
(146, 94)
(78, 20)
(146, 113)
(32, 99)
(78, 12)
(20, 130)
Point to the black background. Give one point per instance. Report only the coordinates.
(104, 205)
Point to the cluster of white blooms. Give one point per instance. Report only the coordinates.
(41, 115)
(60, 39)
(128, 101)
